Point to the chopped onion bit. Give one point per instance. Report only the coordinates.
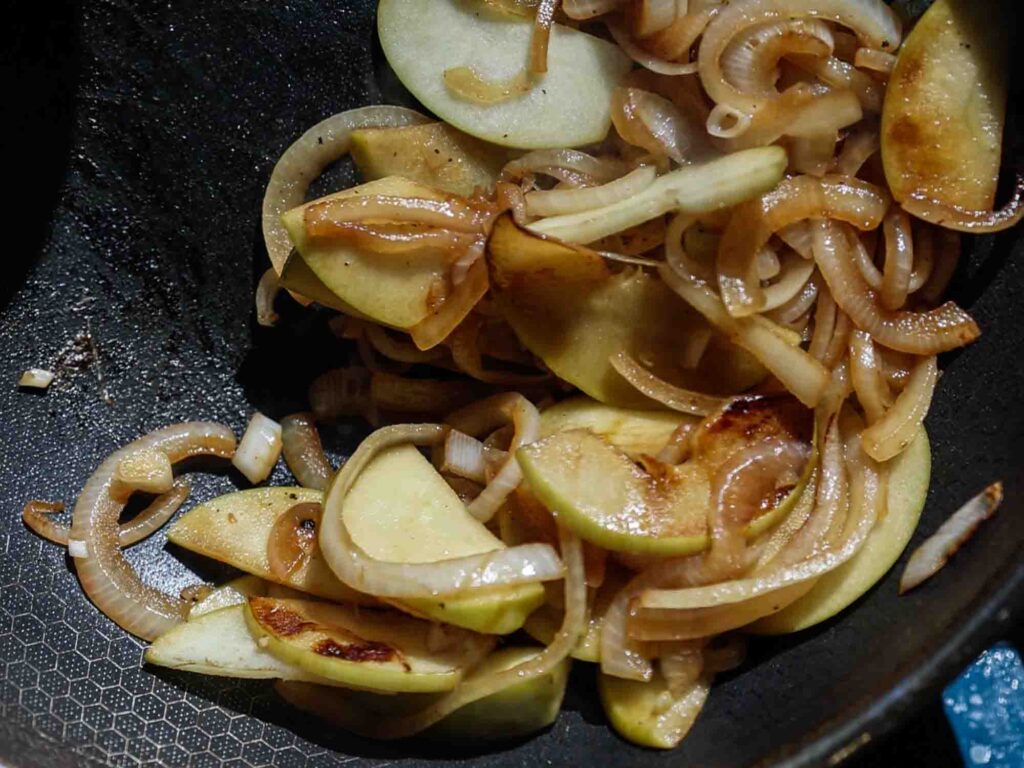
(258, 449)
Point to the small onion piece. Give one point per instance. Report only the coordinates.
(266, 292)
(795, 199)
(467, 457)
(516, 565)
(794, 273)
(875, 24)
(725, 122)
(645, 59)
(36, 378)
(556, 202)
(919, 333)
(929, 558)
(876, 61)
(868, 380)
(304, 453)
(107, 578)
(962, 220)
(659, 390)
(486, 416)
(946, 256)
(653, 16)
(647, 120)
(899, 260)
(304, 160)
(470, 85)
(259, 448)
(890, 435)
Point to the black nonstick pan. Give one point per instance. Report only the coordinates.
(137, 138)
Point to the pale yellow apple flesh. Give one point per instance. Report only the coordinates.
(435, 154)
(647, 713)
(569, 106)
(235, 592)
(909, 476)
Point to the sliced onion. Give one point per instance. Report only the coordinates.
(799, 237)
(645, 59)
(400, 350)
(455, 305)
(841, 75)
(467, 457)
(564, 164)
(654, 123)
(400, 394)
(304, 453)
(891, 434)
(866, 374)
(801, 374)
(266, 292)
(107, 578)
(306, 159)
(654, 15)
(751, 59)
(486, 416)
(673, 43)
(35, 378)
(802, 111)
(924, 256)
(659, 390)
(677, 449)
(470, 85)
(476, 687)
(584, 10)
(946, 258)
(341, 392)
(812, 155)
(864, 256)
(929, 558)
(824, 325)
(962, 220)
(875, 24)
(754, 222)
(899, 260)
(857, 149)
(725, 122)
(328, 217)
(690, 267)
(527, 563)
(681, 665)
(876, 61)
(259, 449)
(36, 516)
(543, 20)
(767, 263)
(799, 306)
(465, 342)
(397, 238)
(794, 273)
(561, 201)
(919, 333)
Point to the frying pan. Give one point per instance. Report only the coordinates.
(141, 134)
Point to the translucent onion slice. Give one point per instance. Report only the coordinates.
(654, 123)
(899, 260)
(812, 155)
(946, 257)
(868, 380)
(876, 61)
(455, 306)
(465, 345)
(659, 390)
(400, 394)
(36, 378)
(557, 202)
(754, 222)
(266, 292)
(890, 435)
(36, 515)
(673, 43)
(564, 164)
(875, 24)
(485, 416)
(840, 75)
(400, 350)
(324, 219)
(919, 333)
(802, 111)
(527, 563)
(800, 373)
(858, 147)
(304, 453)
(470, 85)
(542, 22)
(305, 160)
(645, 59)
(654, 15)
(467, 457)
(750, 60)
(259, 449)
(107, 578)
(794, 273)
(929, 558)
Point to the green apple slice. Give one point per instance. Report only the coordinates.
(636, 432)
(298, 278)
(610, 501)
(401, 510)
(435, 154)
(379, 650)
(235, 529)
(518, 710)
(219, 643)
(909, 476)
(388, 289)
(569, 106)
(234, 592)
(647, 713)
(569, 310)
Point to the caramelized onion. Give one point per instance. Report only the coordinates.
(455, 305)
(341, 392)
(858, 148)
(645, 59)
(890, 435)
(654, 123)
(659, 390)
(750, 60)
(470, 85)
(801, 112)
(899, 260)
(304, 160)
(400, 350)
(303, 452)
(653, 15)
(929, 558)
(516, 565)
(754, 222)
(107, 578)
(866, 374)
(919, 333)
(401, 394)
(328, 217)
(398, 238)
(945, 259)
(564, 164)
(794, 273)
(544, 19)
(876, 61)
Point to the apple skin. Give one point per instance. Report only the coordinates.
(646, 713)
(909, 476)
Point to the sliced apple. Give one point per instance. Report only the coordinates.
(298, 278)
(234, 592)
(401, 510)
(379, 650)
(219, 643)
(567, 107)
(435, 154)
(576, 315)
(636, 432)
(647, 713)
(945, 106)
(525, 708)
(909, 476)
(235, 529)
(391, 290)
(610, 501)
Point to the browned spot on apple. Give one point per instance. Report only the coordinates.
(367, 650)
(277, 618)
